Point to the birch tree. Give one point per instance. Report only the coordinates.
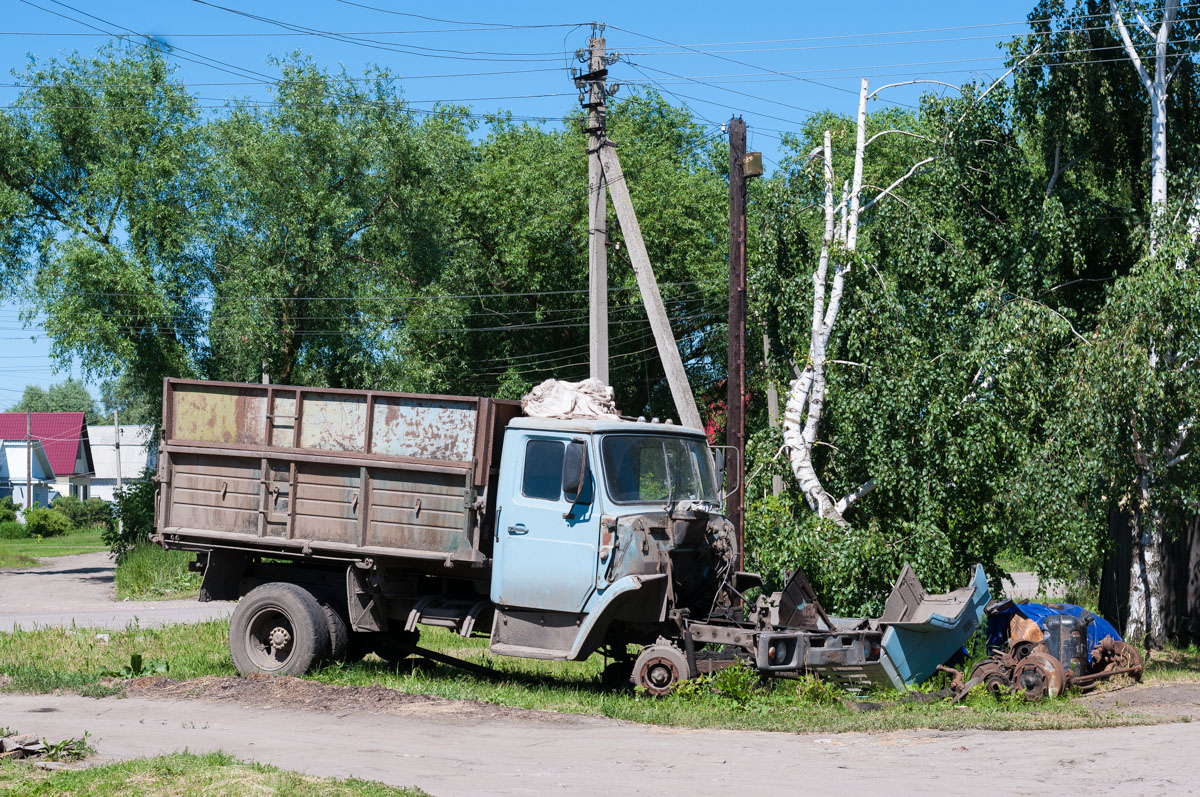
(839, 245)
(1155, 78)
(1146, 619)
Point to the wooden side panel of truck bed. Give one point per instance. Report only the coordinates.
(337, 472)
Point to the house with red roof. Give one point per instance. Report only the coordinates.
(16, 461)
(64, 438)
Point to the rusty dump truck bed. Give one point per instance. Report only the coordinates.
(341, 474)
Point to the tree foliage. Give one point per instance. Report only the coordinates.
(67, 396)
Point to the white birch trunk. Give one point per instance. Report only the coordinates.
(1146, 623)
(800, 453)
(1156, 86)
(1145, 583)
(807, 395)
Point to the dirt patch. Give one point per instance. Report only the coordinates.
(1170, 701)
(268, 691)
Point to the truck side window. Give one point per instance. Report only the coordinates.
(543, 469)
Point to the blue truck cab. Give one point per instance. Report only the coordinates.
(602, 528)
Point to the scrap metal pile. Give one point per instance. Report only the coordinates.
(1041, 650)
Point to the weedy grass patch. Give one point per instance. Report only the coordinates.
(82, 660)
(185, 773)
(147, 572)
(1174, 664)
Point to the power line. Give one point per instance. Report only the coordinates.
(666, 49)
(756, 78)
(280, 81)
(427, 297)
(361, 330)
(219, 65)
(410, 49)
(979, 26)
(731, 60)
(493, 25)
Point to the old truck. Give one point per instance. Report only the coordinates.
(346, 520)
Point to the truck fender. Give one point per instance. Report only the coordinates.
(622, 592)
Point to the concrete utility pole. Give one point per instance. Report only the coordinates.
(28, 459)
(735, 405)
(605, 153)
(664, 339)
(117, 438)
(594, 101)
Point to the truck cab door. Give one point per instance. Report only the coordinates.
(545, 553)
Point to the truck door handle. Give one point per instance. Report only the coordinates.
(518, 529)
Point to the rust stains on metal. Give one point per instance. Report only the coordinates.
(425, 428)
(227, 415)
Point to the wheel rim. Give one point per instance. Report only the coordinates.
(659, 675)
(1040, 675)
(1032, 682)
(270, 639)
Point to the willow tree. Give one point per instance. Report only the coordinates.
(104, 191)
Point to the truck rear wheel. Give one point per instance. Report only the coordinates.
(339, 632)
(278, 629)
(659, 668)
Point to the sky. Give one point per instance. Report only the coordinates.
(773, 64)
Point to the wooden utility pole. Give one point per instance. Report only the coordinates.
(594, 101)
(28, 459)
(735, 406)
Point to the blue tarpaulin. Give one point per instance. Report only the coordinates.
(998, 622)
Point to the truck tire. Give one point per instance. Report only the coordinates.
(339, 633)
(278, 629)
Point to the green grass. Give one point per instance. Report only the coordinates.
(44, 660)
(27, 552)
(184, 773)
(1174, 664)
(147, 572)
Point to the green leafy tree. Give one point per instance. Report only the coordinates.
(131, 400)
(101, 174)
(68, 396)
(329, 211)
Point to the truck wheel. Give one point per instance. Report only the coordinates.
(617, 675)
(278, 629)
(659, 669)
(339, 632)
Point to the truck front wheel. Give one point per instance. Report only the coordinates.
(659, 668)
(278, 629)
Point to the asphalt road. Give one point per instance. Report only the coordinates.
(79, 589)
(447, 753)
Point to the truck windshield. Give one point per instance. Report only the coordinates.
(655, 468)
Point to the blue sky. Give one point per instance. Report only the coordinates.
(774, 64)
